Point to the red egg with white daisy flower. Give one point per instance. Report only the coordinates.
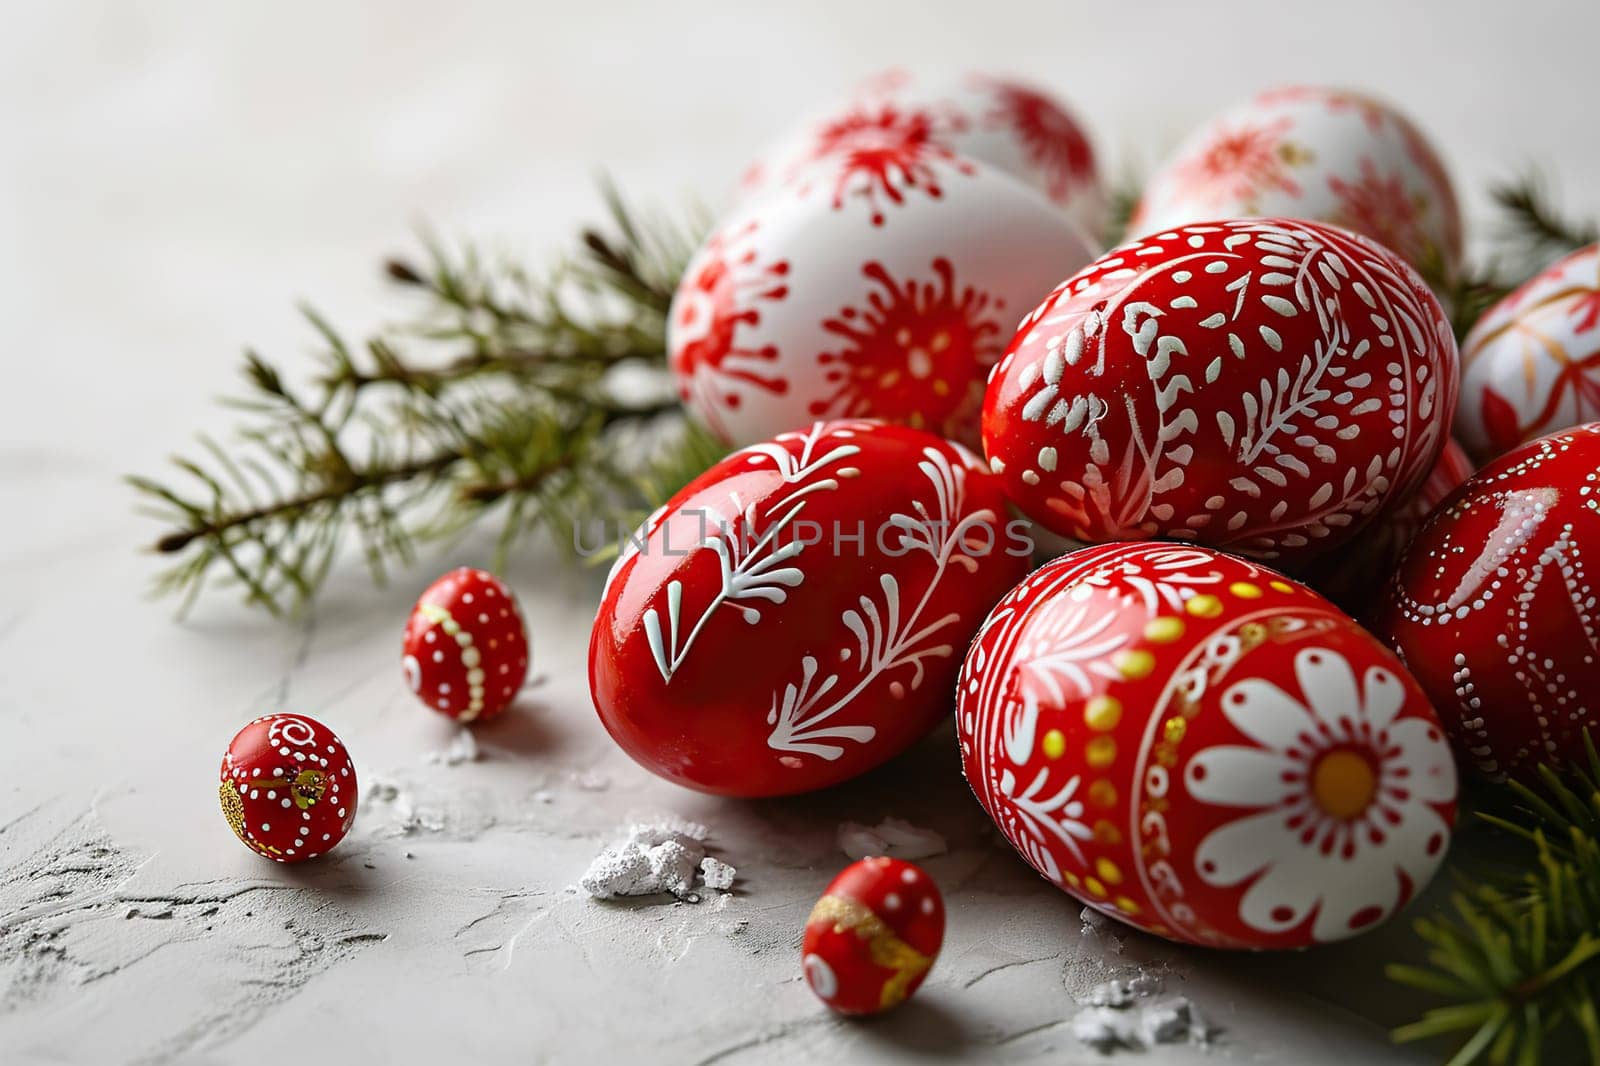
(1197, 746)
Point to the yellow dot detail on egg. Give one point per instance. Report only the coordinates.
(1102, 713)
(1054, 744)
(1163, 630)
(1174, 729)
(1071, 878)
(1108, 871)
(1204, 605)
(1343, 783)
(1107, 834)
(1126, 905)
(1281, 586)
(1101, 752)
(1095, 887)
(1245, 591)
(1103, 794)
(1134, 664)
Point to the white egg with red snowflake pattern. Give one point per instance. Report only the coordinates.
(882, 287)
(1316, 153)
(1011, 125)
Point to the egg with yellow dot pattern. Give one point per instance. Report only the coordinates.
(1204, 749)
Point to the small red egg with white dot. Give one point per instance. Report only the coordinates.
(873, 936)
(466, 647)
(288, 788)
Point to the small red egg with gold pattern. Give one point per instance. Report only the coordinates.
(873, 936)
(1201, 748)
(288, 788)
(466, 647)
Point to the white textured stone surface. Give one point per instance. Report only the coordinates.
(172, 176)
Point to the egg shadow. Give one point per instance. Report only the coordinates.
(922, 1026)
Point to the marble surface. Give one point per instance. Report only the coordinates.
(173, 177)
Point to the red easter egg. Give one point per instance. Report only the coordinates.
(1355, 578)
(288, 788)
(795, 616)
(1195, 745)
(873, 936)
(1264, 386)
(466, 647)
(1494, 607)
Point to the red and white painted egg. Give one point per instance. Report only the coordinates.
(1204, 749)
(1531, 365)
(1265, 386)
(1324, 154)
(465, 652)
(1355, 578)
(796, 615)
(1496, 607)
(288, 788)
(880, 285)
(873, 936)
(1009, 124)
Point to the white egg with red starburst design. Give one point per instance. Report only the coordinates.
(865, 288)
(1204, 749)
(1329, 155)
(1531, 365)
(1007, 123)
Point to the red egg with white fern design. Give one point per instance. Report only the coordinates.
(1531, 364)
(864, 289)
(1204, 749)
(1008, 124)
(1496, 607)
(796, 615)
(1265, 386)
(1329, 155)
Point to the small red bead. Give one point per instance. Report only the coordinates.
(288, 788)
(873, 936)
(466, 646)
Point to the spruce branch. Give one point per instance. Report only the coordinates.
(1518, 959)
(541, 399)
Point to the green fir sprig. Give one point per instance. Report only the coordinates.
(1517, 957)
(540, 399)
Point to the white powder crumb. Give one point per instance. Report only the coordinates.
(893, 837)
(381, 792)
(654, 857)
(1111, 1027)
(714, 873)
(543, 796)
(1097, 925)
(590, 780)
(464, 748)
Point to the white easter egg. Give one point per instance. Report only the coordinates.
(864, 289)
(1326, 155)
(1009, 124)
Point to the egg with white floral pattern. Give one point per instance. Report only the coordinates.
(1197, 746)
(1009, 124)
(796, 615)
(1324, 154)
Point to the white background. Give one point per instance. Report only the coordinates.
(174, 176)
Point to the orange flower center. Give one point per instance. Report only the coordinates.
(1343, 783)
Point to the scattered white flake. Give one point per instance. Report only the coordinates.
(659, 856)
(714, 873)
(1120, 1015)
(464, 748)
(893, 837)
(591, 781)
